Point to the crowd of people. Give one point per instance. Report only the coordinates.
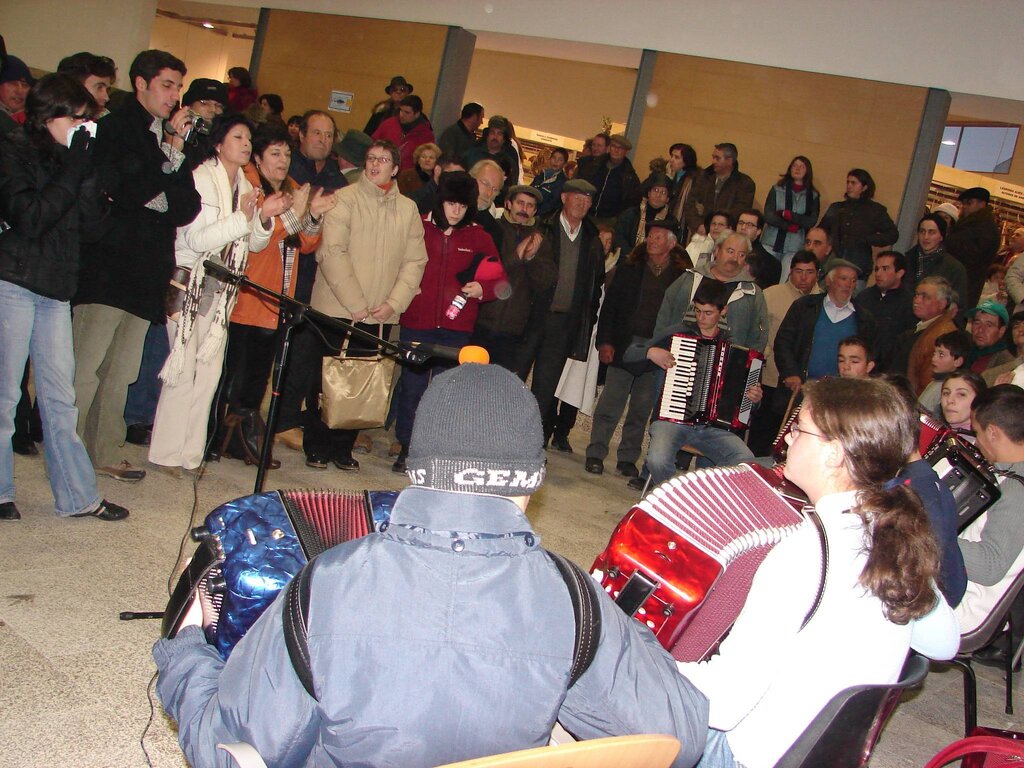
(110, 220)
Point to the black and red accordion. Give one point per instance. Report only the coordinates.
(250, 548)
(685, 556)
(708, 383)
(961, 467)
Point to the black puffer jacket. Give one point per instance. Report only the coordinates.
(50, 200)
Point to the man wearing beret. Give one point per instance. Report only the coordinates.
(616, 184)
(564, 316)
(467, 648)
(15, 82)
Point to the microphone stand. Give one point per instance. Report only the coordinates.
(293, 314)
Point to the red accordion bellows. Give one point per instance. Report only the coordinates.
(683, 558)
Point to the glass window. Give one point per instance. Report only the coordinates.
(979, 148)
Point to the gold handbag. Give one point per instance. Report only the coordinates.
(356, 391)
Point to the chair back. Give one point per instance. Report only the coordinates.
(844, 733)
(987, 631)
(642, 751)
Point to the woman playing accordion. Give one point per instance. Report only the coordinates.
(806, 631)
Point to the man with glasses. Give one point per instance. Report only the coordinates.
(764, 267)
(369, 265)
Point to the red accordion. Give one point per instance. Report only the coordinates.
(709, 382)
(685, 556)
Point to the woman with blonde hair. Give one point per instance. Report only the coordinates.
(811, 629)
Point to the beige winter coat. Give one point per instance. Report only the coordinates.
(372, 251)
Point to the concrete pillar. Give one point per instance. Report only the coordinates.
(452, 78)
(922, 165)
(638, 106)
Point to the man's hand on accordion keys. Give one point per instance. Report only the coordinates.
(755, 393)
(661, 357)
(194, 616)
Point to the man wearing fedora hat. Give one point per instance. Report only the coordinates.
(396, 90)
(974, 240)
(351, 154)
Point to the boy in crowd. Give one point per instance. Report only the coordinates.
(951, 351)
(855, 359)
(719, 447)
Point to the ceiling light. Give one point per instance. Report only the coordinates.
(949, 143)
(208, 25)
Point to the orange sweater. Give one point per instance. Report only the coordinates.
(266, 267)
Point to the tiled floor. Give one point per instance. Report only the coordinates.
(73, 678)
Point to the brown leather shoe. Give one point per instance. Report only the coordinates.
(124, 472)
(292, 438)
(364, 443)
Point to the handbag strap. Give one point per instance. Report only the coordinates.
(343, 352)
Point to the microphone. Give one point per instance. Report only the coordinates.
(221, 272)
(418, 351)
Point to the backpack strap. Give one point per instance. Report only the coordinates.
(586, 610)
(295, 618)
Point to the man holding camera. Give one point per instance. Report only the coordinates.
(124, 276)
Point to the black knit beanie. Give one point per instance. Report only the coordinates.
(477, 430)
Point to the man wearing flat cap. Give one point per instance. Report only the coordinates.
(974, 240)
(396, 90)
(720, 187)
(807, 343)
(616, 183)
(528, 262)
(469, 647)
(496, 145)
(351, 154)
(563, 317)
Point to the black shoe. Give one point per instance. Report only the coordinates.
(594, 466)
(561, 443)
(139, 434)
(346, 464)
(9, 512)
(23, 446)
(627, 469)
(106, 511)
(316, 462)
(399, 465)
(637, 483)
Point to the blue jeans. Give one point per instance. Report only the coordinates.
(720, 447)
(31, 325)
(143, 395)
(415, 378)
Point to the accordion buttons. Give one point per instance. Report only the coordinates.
(458, 545)
(528, 538)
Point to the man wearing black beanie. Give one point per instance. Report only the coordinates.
(447, 635)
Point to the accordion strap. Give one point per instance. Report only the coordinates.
(820, 528)
(582, 591)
